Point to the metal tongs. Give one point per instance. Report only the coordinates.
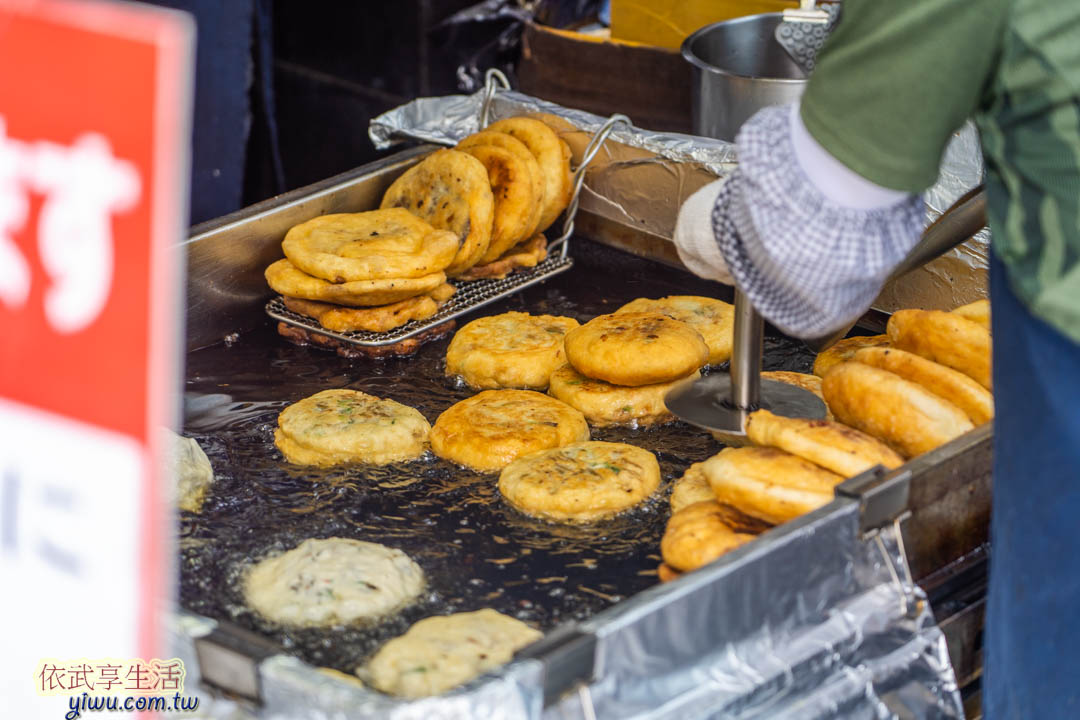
(721, 403)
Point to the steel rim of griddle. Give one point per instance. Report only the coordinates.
(475, 294)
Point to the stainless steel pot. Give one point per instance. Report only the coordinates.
(738, 68)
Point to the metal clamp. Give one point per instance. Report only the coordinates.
(569, 658)
(229, 659)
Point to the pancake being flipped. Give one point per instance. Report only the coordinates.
(511, 350)
(332, 581)
(945, 338)
(769, 484)
(442, 652)
(489, 430)
(339, 426)
(844, 350)
(604, 404)
(904, 415)
(287, 279)
(581, 482)
(697, 535)
(714, 319)
(377, 245)
(636, 349)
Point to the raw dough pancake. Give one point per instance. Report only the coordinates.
(697, 535)
(339, 426)
(582, 482)
(904, 415)
(511, 350)
(186, 463)
(605, 404)
(833, 446)
(945, 338)
(956, 387)
(511, 186)
(289, 280)
(976, 312)
(636, 349)
(769, 484)
(844, 350)
(552, 155)
(442, 652)
(714, 319)
(692, 487)
(518, 149)
(489, 430)
(450, 190)
(373, 319)
(528, 254)
(377, 245)
(332, 581)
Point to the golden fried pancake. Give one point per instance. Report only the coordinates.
(844, 349)
(833, 446)
(636, 349)
(956, 387)
(666, 573)
(339, 426)
(945, 338)
(332, 581)
(976, 312)
(444, 651)
(697, 535)
(714, 319)
(553, 157)
(904, 415)
(373, 319)
(488, 431)
(402, 348)
(377, 245)
(692, 487)
(528, 254)
(605, 404)
(518, 149)
(450, 190)
(581, 482)
(511, 350)
(289, 280)
(511, 186)
(769, 484)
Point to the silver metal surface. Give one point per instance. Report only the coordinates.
(747, 346)
(737, 69)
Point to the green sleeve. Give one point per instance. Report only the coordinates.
(896, 78)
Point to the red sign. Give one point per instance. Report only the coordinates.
(94, 148)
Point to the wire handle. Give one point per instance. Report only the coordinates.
(494, 80)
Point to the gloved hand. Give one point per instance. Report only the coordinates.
(695, 239)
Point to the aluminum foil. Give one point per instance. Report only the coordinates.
(642, 178)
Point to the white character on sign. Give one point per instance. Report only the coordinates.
(14, 269)
(84, 186)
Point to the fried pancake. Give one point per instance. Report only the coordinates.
(976, 312)
(289, 280)
(844, 350)
(666, 573)
(833, 446)
(511, 186)
(528, 254)
(605, 404)
(636, 349)
(450, 190)
(945, 338)
(332, 581)
(518, 149)
(692, 487)
(582, 482)
(373, 319)
(339, 426)
(769, 484)
(442, 652)
(489, 430)
(697, 535)
(402, 348)
(511, 350)
(552, 155)
(378, 245)
(904, 415)
(956, 387)
(714, 319)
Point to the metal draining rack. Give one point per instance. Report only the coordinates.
(473, 294)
